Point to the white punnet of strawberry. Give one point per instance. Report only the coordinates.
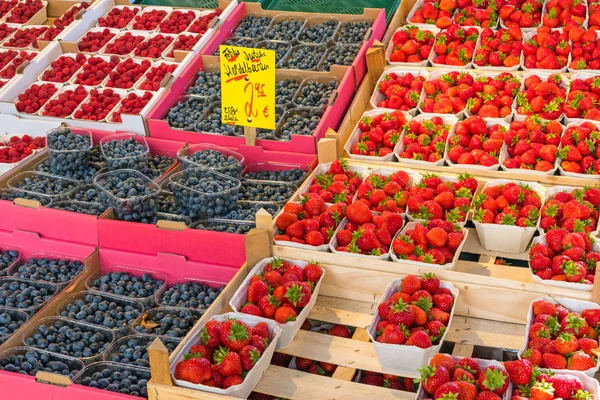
(399, 89)
(580, 104)
(434, 244)
(385, 189)
(564, 259)
(572, 208)
(449, 377)
(455, 46)
(410, 324)
(411, 45)
(476, 143)
(227, 355)
(579, 153)
(496, 93)
(376, 134)
(446, 197)
(282, 290)
(335, 182)
(561, 335)
(546, 50)
(543, 94)
(447, 92)
(506, 214)
(423, 140)
(499, 50)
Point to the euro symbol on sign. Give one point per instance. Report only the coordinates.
(266, 112)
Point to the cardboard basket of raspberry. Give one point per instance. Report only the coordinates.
(134, 102)
(402, 359)
(118, 17)
(33, 99)
(572, 208)
(476, 154)
(438, 238)
(543, 93)
(574, 265)
(546, 49)
(324, 176)
(455, 47)
(560, 325)
(580, 136)
(446, 375)
(411, 41)
(64, 101)
(290, 290)
(26, 37)
(447, 91)
(125, 44)
(400, 88)
(374, 136)
(16, 148)
(366, 242)
(505, 235)
(158, 76)
(148, 18)
(422, 139)
(95, 40)
(494, 100)
(240, 389)
(452, 193)
(583, 98)
(64, 68)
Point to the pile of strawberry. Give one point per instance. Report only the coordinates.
(455, 45)
(580, 150)
(425, 139)
(383, 193)
(514, 203)
(337, 185)
(494, 96)
(501, 48)
(388, 381)
(522, 13)
(575, 211)
(282, 290)
(310, 222)
(435, 12)
(530, 382)
(476, 13)
(543, 97)
(411, 45)
(584, 98)
(448, 94)
(18, 148)
(560, 338)
(320, 367)
(586, 49)
(417, 314)
(547, 49)
(567, 13)
(447, 377)
(401, 90)
(476, 143)
(228, 351)
(594, 14)
(379, 134)
(566, 256)
(434, 243)
(532, 144)
(435, 198)
(371, 236)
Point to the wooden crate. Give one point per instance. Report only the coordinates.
(491, 312)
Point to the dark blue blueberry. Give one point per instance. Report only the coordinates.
(252, 26)
(10, 321)
(320, 32)
(284, 30)
(126, 154)
(305, 56)
(352, 32)
(171, 322)
(46, 269)
(246, 210)
(124, 284)
(276, 192)
(167, 204)
(79, 207)
(189, 295)
(211, 123)
(299, 121)
(292, 175)
(69, 151)
(85, 193)
(115, 378)
(134, 349)
(285, 90)
(10, 195)
(80, 174)
(29, 361)
(42, 183)
(315, 94)
(160, 162)
(222, 225)
(339, 54)
(7, 257)
(23, 294)
(207, 84)
(281, 48)
(214, 160)
(186, 112)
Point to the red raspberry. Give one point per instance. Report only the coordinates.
(5, 30)
(118, 17)
(148, 20)
(201, 24)
(155, 75)
(18, 148)
(123, 44)
(177, 22)
(127, 73)
(63, 68)
(98, 105)
(95, 70)
(24, 37)
(65, 103)
(23, 11)
(32, 99)
(67, 18)
(184, 42)
(154, 46)
(93, 41)
(6, 6)
(11, 69)
(131, 104)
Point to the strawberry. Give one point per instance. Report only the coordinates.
(577, 138)
(249, 356)
(432, 377)
(581, 361)
(256, 290)
(585, 54)
(466, 145)
(542, 391)
(501, 48)
(229, 362)
(211, 335)
(370, 143)
(521, 14)
(547, 49)
(419, 339)
(494, 379)
(543, 95)
(510, 199)
(425, 139)
(434, 13)
(194, 370)
(235, 334)
(554, 361)
(455, 45)
(285, 314)
(448, 94)
(401, 92)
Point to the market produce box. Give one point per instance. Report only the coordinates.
(47, 216)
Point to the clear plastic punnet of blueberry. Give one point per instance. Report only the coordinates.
(280, 47)
(115, 377)
(79, 207)
(206, 84)
(186, 111)
(133, 349)
(319, 30)
(352, 32)
(102, 309)
(131, 195)
(173, 322)
(340, 54)
(275, 172)
(316, 92)
(203, 193)
(212, 157)
(48, 268)
(88, 193)
(125, 151)
(286, 88)
(25, 295)
(298, 121)
(236, 41)
(29, 361)
(70, 338)
(246, 210)
(284, 27)
(8, 256)
(10, 321)
(276, 192)
(224, 225)
(40, 183)
(69, 149)
(211, 123)
(190, 293)
(269, 134)
(305, 57)
(128, 282)
(252, 26)
(85, 175)
(13, 194)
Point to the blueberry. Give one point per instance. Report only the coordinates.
(160, 162)
(187, 294)
(126, 154)
(275, 192)
(133, 350)
(23, 294)
(207, 84)
(269, 134)
(46, 269)
(284, 30)
(7, 257)
(246, 210)
(299, 121)
(352, 32)
(172, 322)
(217, 225)
(305, 56)
(319, 32)
(277, 175)
(186, 112)
(340, 55)
(29, 361)
(281, 48)
(85, 193)
(96, 155)
(10, 195)
(42, 183)
(69, 150)
(167, 204)
(237, 42)
(251, 26)
(10, 321)
(211, 123)
(80, 174)
(213, 159)
(315, 94)
(124, 284)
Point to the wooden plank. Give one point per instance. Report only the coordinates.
(347, 373)
(482, 332)
(463, 350)
(165, 392)
(341, 311)
(298, 385)
(159, 360)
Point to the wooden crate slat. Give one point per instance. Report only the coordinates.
(483, 332)
(347, 373)
(341, 311)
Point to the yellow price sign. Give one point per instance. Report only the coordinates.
(247, 87)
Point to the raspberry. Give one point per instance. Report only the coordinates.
(148, 20)
(32, 99)
(95, 70)
(98, 105)
(67, 18)
(6, 6)
(93, 41)
(123, 44)
(22, 12)
(177, 22)
(184, 42)
(155, 75)
(127, 73)
(154, 46)
(201, 24)
(24, 37)
(63, 68)
(11, 69)
(5, 30)
(51, 33)
(131, 104)
(118, 17)
(65, 103)
(18, 148)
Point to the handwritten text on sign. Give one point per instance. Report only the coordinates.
(248, 87)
